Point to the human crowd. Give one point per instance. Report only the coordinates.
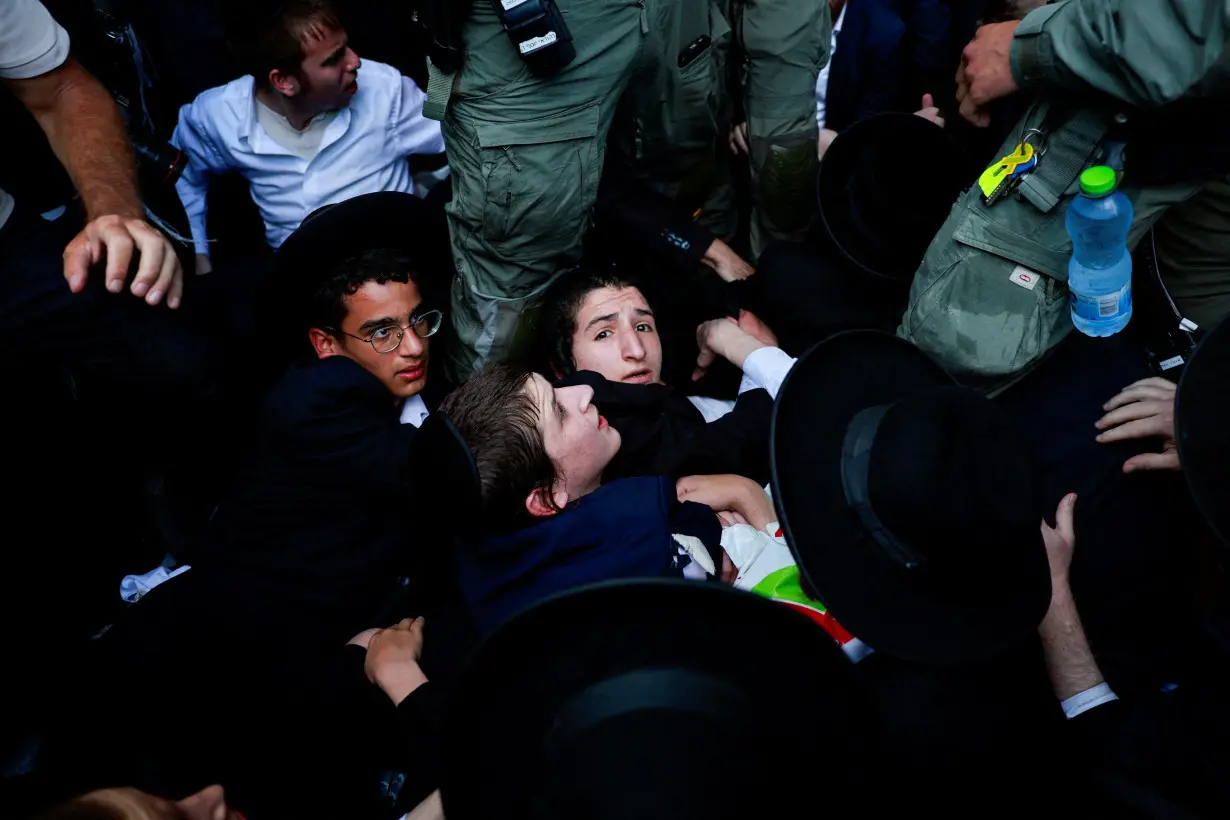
(610, 409)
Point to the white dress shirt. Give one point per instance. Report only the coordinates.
(363, 150)
(766, 367)
(31, 43)
(822, 81)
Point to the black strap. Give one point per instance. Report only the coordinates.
(855, 468)
(1168, 337)
(441, 22)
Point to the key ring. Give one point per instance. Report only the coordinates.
(1040, 149)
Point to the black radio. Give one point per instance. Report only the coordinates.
(538, 32)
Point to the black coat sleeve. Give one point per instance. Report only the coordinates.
(419, 718)
(1170, 749)
(737, 442)
(405, 740)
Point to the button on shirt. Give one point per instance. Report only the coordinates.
(363, 149)
(31, 44)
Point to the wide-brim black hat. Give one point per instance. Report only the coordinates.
(941, 613)
(1202, 413)
(386, 220)
(653, 699)
(885, 186)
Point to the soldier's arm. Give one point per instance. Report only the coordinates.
(1144, 52)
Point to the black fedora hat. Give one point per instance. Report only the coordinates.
(653, 699)
(1202, 408)
(885, 187)
(909, 503)
(385, 220)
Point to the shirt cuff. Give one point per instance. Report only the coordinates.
(767, 368)
(712, 409)
(1082, 702)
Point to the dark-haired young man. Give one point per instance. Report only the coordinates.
(323, 497)
(301, 126)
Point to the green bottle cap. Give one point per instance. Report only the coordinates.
(1099, 180)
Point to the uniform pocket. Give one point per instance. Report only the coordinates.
(540, 180)
(991, 300)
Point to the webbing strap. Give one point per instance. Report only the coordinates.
(439, 90)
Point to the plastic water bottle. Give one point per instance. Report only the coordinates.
(1100, 273)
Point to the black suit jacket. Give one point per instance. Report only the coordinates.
(889, 53)
(322, 506)
(868, 71)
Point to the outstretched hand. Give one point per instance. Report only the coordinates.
(1143, 410)
(1060, 540)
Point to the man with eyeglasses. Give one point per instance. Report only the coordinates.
(325, 489)
(379, 323)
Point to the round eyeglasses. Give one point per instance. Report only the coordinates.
(388, 338)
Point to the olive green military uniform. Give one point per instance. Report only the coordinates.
(526, 152)
(990, 299)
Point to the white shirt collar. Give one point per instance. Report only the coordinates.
(840, 18)
(414, 411)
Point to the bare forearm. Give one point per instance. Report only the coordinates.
(1069, 659)
(86, 132)
(758, 509)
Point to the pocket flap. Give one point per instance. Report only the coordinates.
(979, 231)
(579, 123)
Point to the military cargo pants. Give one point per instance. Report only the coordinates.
(526, 152)
(782, 45)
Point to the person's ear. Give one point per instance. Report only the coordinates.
(538, 502)
(324, 343)
(284, 83)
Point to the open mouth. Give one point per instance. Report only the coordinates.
(639, 377)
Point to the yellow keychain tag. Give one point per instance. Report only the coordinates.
(1001, 171)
